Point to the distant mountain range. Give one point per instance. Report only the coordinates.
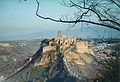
(52, 33)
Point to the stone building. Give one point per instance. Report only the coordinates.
(65, 40)
(82, 46)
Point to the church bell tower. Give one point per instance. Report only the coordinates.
(59, 33)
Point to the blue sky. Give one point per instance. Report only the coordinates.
(18, 18)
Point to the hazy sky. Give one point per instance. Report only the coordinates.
(17, 17)
(15, 14)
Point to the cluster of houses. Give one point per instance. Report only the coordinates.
(67, 41)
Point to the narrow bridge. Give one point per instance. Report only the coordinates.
(74, 73)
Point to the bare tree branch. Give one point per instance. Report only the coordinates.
(79, 19)
(115, 3)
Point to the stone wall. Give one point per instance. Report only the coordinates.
(48, 48)
(82, 46)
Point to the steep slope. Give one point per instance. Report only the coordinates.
(28, 72)
(14, 53)
(24, 72)
(57, 66)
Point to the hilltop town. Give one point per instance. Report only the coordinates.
(59, 59)
(70, 44)
(65, 42)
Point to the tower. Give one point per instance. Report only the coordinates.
(59, 33)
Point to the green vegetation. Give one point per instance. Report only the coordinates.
(37, 74)
(19, 50)
(114, 74)
(4, 58)
(113, 65)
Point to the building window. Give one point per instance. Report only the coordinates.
(59, 42)
(66, 43)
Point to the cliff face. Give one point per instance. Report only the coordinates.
(55, 65)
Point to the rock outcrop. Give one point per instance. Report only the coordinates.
(55, 65)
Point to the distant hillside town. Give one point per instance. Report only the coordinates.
(63, 41)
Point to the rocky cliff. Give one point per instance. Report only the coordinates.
(59, 66)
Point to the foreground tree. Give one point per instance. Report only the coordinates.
(99, 12)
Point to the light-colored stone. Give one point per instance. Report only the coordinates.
(4, 45)
(48, 48)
